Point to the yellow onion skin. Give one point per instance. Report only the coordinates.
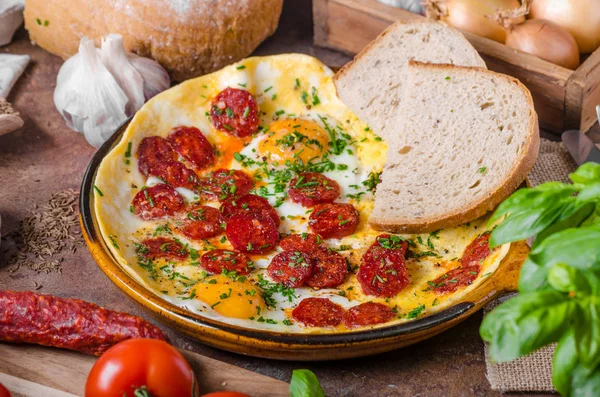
(545, 40)
(581, 18)
(470, 16)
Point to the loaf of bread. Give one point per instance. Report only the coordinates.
(466, 139)
(370, 85)
(187, 37)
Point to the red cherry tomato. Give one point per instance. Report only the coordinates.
(141, 364)
(226, 394)
(4, 391)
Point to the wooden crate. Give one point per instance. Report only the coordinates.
(564, 99)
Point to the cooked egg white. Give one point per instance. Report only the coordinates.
(301, 119)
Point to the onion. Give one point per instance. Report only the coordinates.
(545, 40)
(581, 18)
(471, 15)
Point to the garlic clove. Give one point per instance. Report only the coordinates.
(156, 78)
(129, 79)
(88, 97)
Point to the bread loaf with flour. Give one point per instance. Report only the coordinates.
(189, 38)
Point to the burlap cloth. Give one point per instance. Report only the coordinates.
(533, 372)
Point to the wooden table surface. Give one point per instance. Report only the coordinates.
(45, 157)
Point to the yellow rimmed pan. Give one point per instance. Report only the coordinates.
(287, 346)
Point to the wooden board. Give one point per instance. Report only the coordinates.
(33, 371)
(564, 99)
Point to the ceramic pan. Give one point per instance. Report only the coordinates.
(287, 346)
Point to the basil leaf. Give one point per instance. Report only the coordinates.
(585, 382)
(525, 323)
(569, 376)
(533, 277)
(590, 193)
(525, 224)
(305, 384)
(528, 199)
(573, 214)
(564, 361)
(565, 278)
(593, 281)
(586, 173)
(579, 248)
(587, 333)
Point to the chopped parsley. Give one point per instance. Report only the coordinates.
(416, 312)
(163, 229)
(269, 289)
(315, 97)
(372, 181)
(128, 151)
(113, 240)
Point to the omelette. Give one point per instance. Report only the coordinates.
(243, 196)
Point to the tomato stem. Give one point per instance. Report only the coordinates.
(142, 392)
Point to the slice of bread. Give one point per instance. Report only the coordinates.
(370, 85)
(466, 139)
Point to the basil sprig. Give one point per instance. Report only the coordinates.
(559, 284)
(305, 384)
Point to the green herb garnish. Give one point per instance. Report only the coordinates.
(559, 284)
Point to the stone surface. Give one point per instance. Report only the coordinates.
(45, 156)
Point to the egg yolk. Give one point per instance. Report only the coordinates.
(293, 139)
(231, 298)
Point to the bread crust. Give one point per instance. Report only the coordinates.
(344, 70)
(516, 176)
(189, 40)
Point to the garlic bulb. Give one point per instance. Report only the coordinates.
(98, 89)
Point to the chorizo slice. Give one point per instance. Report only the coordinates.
(217, 260)
(152, 151)
(311, 188)
(368, 313)
(334, 220)
(383, 268)
(225, 184)
(193, 146)
(252, 235)
(291, 268)
(158, 201)
(476, 252)
(200, 222)
(464, 275)
(304, 242)
(250, 204)
(318, 312)
(162, 247)
(455, 279)
(176, 174)
(235, 111)
(330, 269)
